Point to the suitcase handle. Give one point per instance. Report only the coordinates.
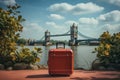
(59, 43)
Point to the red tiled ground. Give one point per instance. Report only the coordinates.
(43, 75)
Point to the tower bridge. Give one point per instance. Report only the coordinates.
(73, 33)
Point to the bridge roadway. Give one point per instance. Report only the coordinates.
(77, 40)
(88, 40)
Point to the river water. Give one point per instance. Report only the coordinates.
(83, 56)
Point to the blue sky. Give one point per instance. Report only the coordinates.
(92, 17)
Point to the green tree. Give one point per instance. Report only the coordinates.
(10, 27)
(21, 41)
(109, 49)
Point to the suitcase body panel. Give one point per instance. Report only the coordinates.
(60, 62)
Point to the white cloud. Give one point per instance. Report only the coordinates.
(80, 8)
(51, 24)
(83, 8)
(70, 22)
(62, 7)
(56, 16)
(8, 2)
(112, 27)
(115, 2)
(33, 26)
(110, 21)
(32, 30)
(88, 21)
(113, 16)
(54, 27)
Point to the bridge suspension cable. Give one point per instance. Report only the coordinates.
(64, 34)
(67, 32)
(42, 38)
(80, 34)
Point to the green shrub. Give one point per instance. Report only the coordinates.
(109, 49)
(10, 28)
(25, 55)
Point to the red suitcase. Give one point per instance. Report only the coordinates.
(60, 61)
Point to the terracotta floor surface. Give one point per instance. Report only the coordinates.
(43, 75)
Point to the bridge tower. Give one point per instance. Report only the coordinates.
(47, 38)
(74, 35)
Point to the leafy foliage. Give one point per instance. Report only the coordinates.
(21, 41)
(10, 28)
(25, 55)
(109, 48)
